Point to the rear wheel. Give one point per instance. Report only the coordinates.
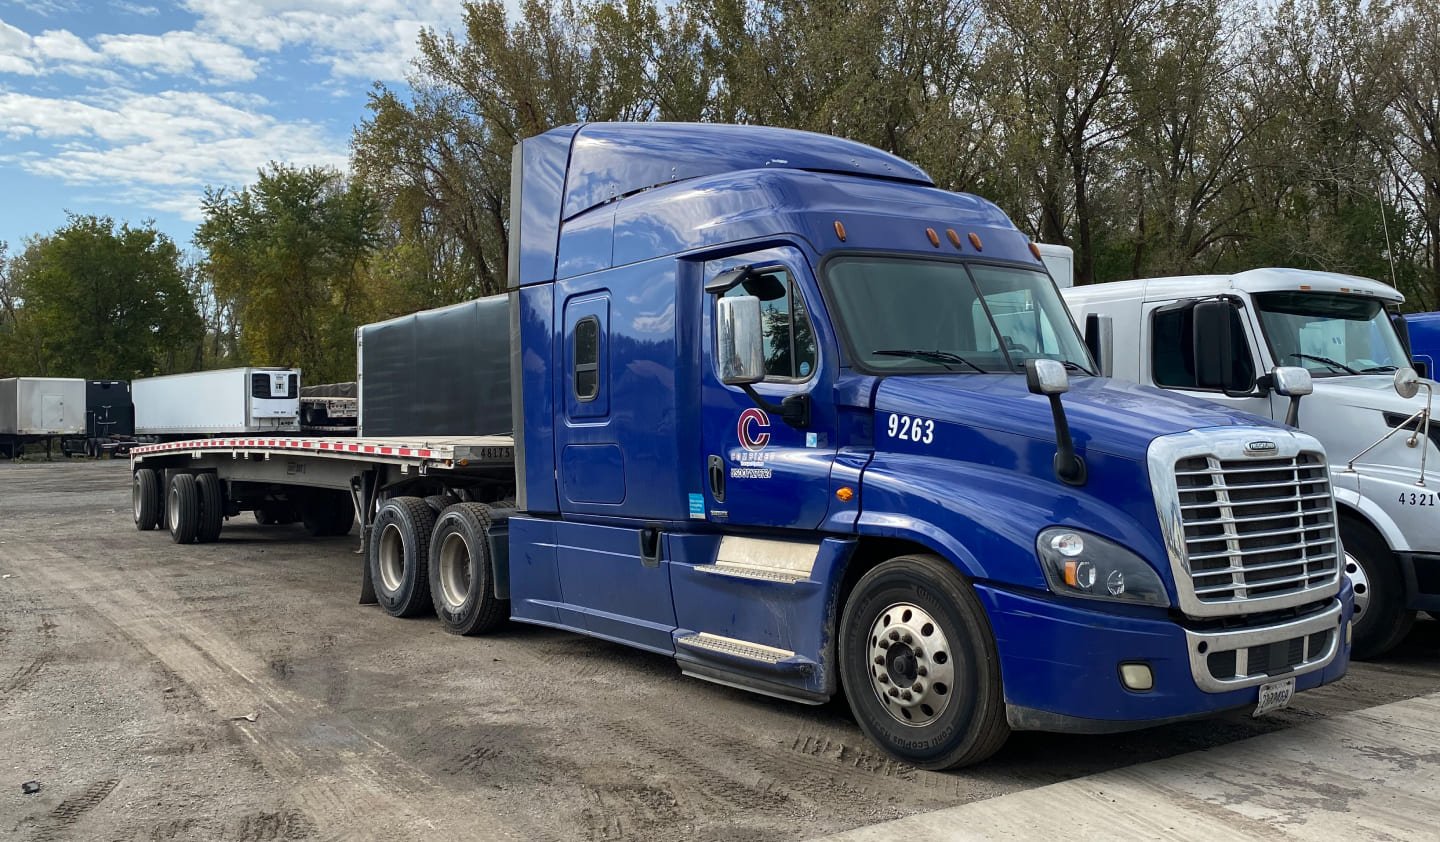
(145, 499)
(461, 579)
(1381, 618)
(182, 509)
(212, 508)
(919, 664)
(400, 555)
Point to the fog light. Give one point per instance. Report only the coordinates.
(1137, 677)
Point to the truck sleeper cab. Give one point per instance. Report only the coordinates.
(791, 415)
(1339, 328)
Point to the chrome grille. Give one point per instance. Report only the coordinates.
(1256, 528)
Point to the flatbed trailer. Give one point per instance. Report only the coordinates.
(327, 483)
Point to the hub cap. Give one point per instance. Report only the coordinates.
(910, 664)
(392, 558)
(1361, 583)
(454, 571)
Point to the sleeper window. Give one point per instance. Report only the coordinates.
(587, 358)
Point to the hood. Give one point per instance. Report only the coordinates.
(1112, 416)
(1367, 391)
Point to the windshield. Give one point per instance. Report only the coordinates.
(1330, 334)
(908, 315)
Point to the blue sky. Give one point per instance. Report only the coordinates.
(129, 108)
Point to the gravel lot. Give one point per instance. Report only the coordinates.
(236, 691)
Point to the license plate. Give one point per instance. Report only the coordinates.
(1274, 696)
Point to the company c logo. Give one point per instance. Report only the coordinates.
(752, 429)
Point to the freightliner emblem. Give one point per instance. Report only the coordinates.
(1260, 447)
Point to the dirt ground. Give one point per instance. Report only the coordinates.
(236, 691)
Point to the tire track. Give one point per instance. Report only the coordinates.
(371, 790)
(69, 811)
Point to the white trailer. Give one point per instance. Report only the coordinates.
(227, 401)
(36, 408)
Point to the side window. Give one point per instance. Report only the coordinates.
(1172, 350)
(587, 359)
(789, 339)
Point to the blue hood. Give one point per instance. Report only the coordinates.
(1110, 416)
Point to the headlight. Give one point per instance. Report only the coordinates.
(1081, 564)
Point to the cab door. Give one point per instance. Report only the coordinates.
(1169, 357)
(758, 469)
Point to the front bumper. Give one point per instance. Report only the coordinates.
(1060, 661)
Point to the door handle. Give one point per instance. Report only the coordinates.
(717, 478)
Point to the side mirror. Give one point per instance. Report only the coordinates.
(739, 340)
(1407, 383)
(1402, 332)
(1214, 365)
(1100, 339)
(1046, 377)
(1291, 381)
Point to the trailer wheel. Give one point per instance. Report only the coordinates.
(212, 507)
(462, 582)
(182, 509)
(328, 514)
(145, 498)
(1381, 618)
(919, 664)
(400, 556)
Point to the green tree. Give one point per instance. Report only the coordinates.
(289, 255)
(94, 300)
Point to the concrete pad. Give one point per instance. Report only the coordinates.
(1369, 774)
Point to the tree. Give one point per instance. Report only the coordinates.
(289, 254)
(93, 300)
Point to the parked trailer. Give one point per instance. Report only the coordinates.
(256, 400)
(764, 424)
(39, 409)
(330, 408)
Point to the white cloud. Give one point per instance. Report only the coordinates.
(134, 8)
(158, 151)
(180, 53)
(365, 39)
(173, 53)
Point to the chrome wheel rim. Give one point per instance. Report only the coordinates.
(391, 555)
(135, 497)
(454, 571)
(172, 508)
(911, 666)
(1360, 582)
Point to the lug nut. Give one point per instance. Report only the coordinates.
(894, 692)
(906, 696)
(921, 671)
(879, 660)
(884, 679)
(884, 643)
(918, 687)
(908, 638)
(894, 635)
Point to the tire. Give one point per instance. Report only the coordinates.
(399, 556)
(438, 503)
(944, 724)
(328, 514)
(275, 513)
(182, 509)
(145, 499)
(1381, 618)
(462, 585)
(212, 508)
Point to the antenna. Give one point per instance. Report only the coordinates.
(1389, 249)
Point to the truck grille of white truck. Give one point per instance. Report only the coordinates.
(1258, 527)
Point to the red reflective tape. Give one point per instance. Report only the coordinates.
(386, 451)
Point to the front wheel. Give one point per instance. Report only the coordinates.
(1381, 618)
(920, 667)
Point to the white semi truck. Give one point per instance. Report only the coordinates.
(1219, 338)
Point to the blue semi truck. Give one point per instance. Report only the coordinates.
(788, 413)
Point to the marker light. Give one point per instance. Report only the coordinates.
(934, 238)
(954, 238)
(844, 493)
(975, 241)
(840, 230)
(1035, 250)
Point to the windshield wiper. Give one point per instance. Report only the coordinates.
(1379, 369)
(942, 357)
(1327, 361)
